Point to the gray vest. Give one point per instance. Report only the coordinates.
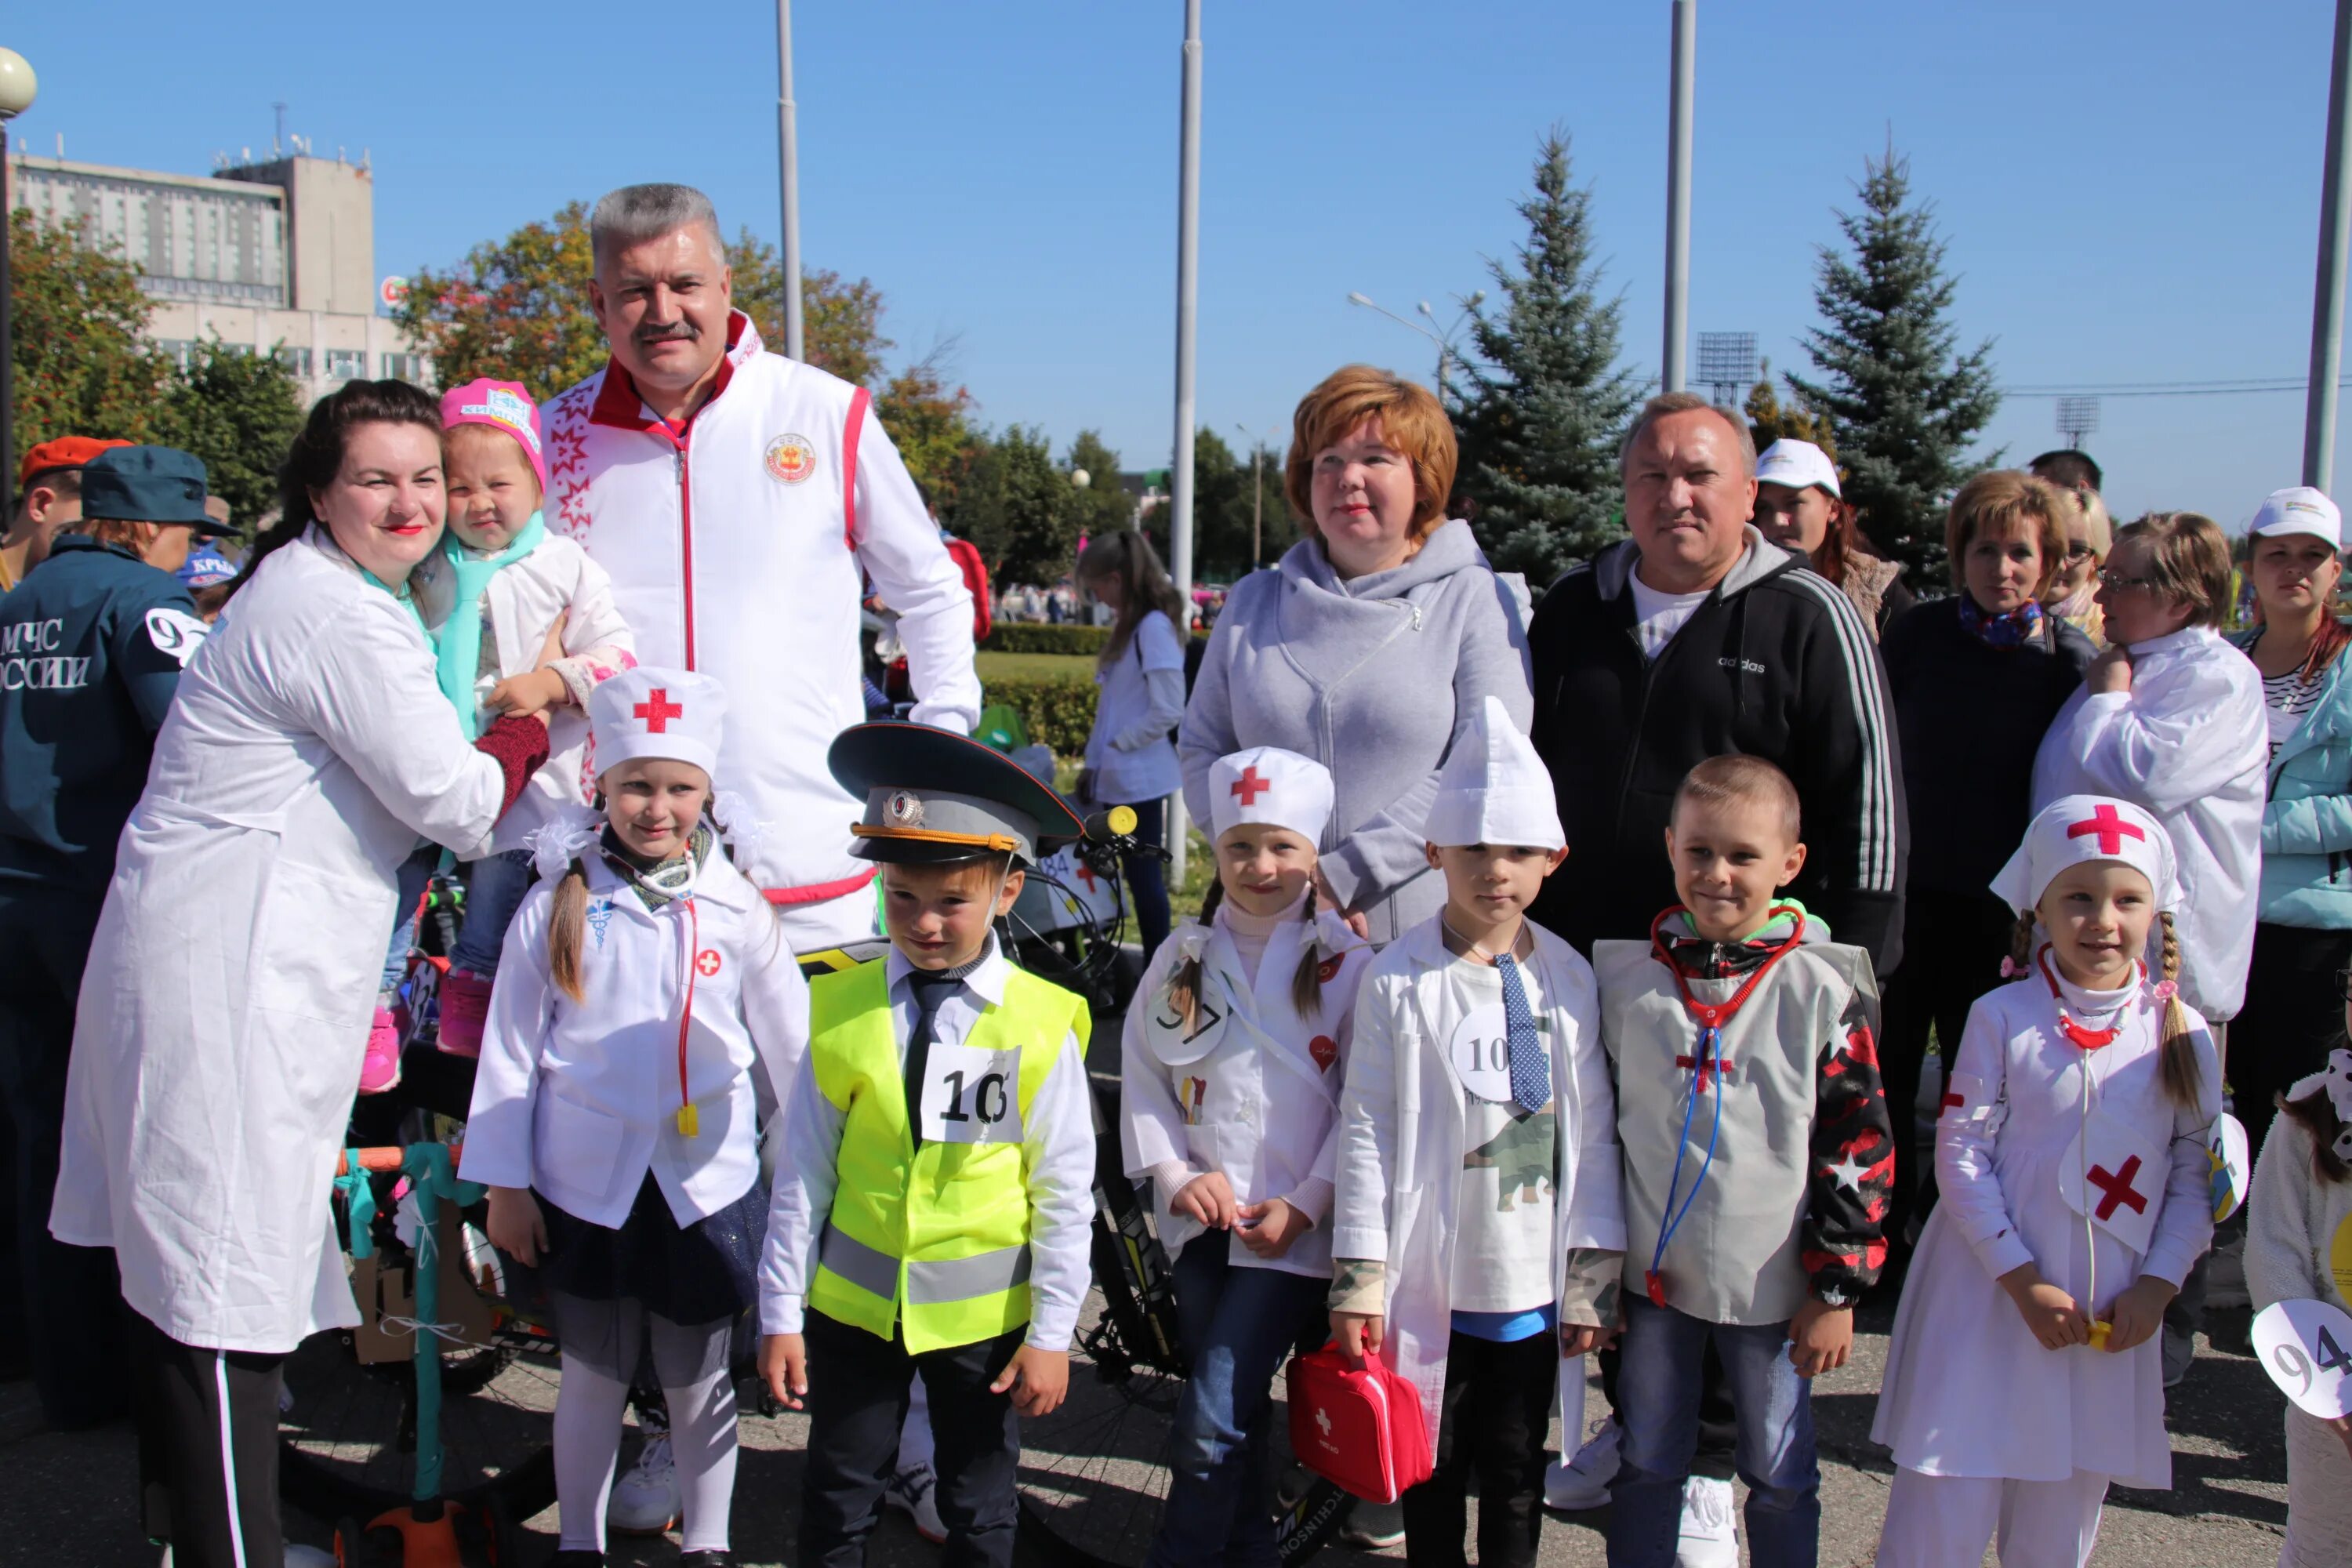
(1735, 1259)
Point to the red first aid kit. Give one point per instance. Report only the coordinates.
(1357, 1428)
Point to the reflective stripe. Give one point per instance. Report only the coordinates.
(865, 1266)
(961, 1278)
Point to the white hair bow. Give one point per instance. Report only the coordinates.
(742, 830)
(2335, 1079)
(561, 839)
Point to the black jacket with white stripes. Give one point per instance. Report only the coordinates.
(1776, 663)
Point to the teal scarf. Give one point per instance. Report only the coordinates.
(458, 644)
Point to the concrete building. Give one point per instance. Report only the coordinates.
(277, 256)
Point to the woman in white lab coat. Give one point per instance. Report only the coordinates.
(225, 1010)
(1236, 1049)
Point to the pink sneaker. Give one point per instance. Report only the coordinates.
(465, 1004)
(380, 1069)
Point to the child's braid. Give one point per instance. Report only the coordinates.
(2021, 944)
(2182, 1081)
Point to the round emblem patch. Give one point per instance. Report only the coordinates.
(791, 459)
(904, 808)
(707, 961)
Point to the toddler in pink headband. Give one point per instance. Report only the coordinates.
(502, 405)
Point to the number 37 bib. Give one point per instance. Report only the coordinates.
(972, 1096)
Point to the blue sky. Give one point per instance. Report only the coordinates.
(2130, 190)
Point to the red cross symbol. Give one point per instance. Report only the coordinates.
(2108, 829)
(1249, 786)
(657, 710)
(2118, 1186)
(1087, 875)
(706, 962)
(1705, 1070)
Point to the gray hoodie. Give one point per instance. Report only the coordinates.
(1373, 678)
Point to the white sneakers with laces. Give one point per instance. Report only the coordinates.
(648, 1500)
(911, 1492)
(1708, 1539)
(1580, 1482)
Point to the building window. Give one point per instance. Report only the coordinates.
(177, 350)
(408, 367)
(296, 360)
(346, 364)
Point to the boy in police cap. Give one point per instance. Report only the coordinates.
(91, 645)
(931, 1209)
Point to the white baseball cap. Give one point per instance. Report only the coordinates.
(1797, 464)
(2299, 510)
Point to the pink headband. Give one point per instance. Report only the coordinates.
(502, 405)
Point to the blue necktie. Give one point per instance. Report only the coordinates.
(1530, 1069)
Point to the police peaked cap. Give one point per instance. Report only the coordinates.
(933, 797)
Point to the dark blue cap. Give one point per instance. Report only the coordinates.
(147, 484)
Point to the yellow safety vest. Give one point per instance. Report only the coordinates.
(936, 1239)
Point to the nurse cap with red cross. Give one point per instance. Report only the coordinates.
(2079, 828)
(1270, 787)
(673, 715)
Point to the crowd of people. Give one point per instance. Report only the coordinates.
(1594, 949)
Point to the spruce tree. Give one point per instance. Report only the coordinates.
(1903, 405)
(1540, 417)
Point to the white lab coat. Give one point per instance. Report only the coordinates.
(579, 1099)
(1254, 1092)
(1400, 1141)
(2189, 743)
(225, 1010)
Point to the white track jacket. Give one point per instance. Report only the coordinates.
(738, 548)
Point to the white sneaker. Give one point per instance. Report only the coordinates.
(1707, 1540)
(647, 1500)
(1574, 1484)
(911, 1491)
(1374, 1526)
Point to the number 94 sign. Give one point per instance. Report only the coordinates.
(2306, 1347)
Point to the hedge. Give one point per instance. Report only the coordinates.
(1059, 713)
(1024, 637)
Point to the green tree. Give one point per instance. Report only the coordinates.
(930, 424)
(82, 365)
(1770, 419)
(1903, 404)
(239, 411)
(1540, 419)
(1103, 505)
(518, 308)
(1016, 506)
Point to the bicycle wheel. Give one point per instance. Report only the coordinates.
(1095, 1474)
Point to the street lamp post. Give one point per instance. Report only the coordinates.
(1444, 345)
(788, 160)
(1257, 491)
(18, 87)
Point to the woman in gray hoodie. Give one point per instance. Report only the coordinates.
(1370, 646)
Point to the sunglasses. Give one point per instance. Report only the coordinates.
(2111, 578)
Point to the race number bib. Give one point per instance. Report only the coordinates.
(2114, 1175)
(1480, 1054)
(2306, 1347)
(972, 1096)
(176, 633)
(2231, 1171)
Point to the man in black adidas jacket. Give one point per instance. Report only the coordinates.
(1695, 638)
(1692, 638)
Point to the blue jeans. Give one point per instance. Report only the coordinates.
(1237, 1325)
(494, 888)
(409, 889)
(1147, 877)
(1658, 1409)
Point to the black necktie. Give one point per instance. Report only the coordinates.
(930, 988)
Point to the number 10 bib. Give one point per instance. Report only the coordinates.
(972, 1096)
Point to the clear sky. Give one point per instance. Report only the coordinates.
(2130, 188)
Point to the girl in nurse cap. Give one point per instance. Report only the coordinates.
(1237, 1047)
(643, 1015)
(2022, 1376)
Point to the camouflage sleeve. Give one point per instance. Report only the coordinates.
(1853, 1163)
(1588, 1296)
(1359, 1285)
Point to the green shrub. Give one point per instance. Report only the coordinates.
(1025, 636)
(1059, 712)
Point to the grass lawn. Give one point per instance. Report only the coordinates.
(994, 666)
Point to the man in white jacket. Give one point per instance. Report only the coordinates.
(739, 500)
